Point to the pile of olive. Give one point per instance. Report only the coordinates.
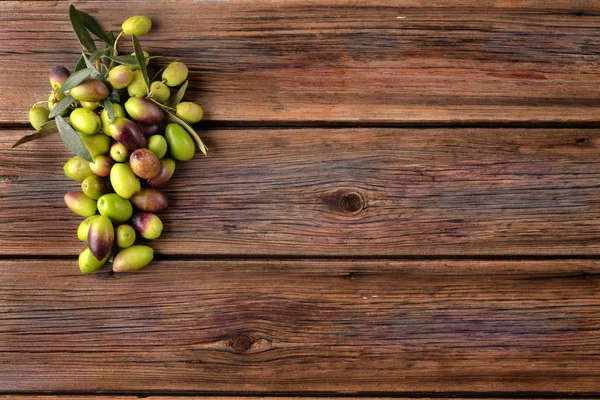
(133, 155)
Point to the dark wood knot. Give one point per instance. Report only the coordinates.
(351, 202)
(242, 343)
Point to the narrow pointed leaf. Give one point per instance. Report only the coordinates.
(96, 54)
(47, 129)
(174, 118)
(89, 64)
(71, 138)
(139, 55)
(174, 100)
(80, 31)
(130, 61)
(110, 110)
(75, 79)
(93, 26)
(80, 65)
(62, 106)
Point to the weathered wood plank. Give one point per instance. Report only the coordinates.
(341, 192)
(302, 326)
(339, 60)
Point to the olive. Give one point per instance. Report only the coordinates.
(144, 163)
(127, 132)
(116, 208)
(189, 112)
(119, 152)
(148, 130)
(158, 145)
(180, 143)
(148, 225)
(80, 204)
(119, 113)
(90, 90)
(133, 258)
(175, 73)
(88, 263)
(125, 236)
(150, 200)
(167, 168)
(89, 105)
(143, 110)
(124, 181)
(57, 76)
(96, 144)
(120, 76)
(137, 87)
(94, 187)
(85, 121)
(159, 92)
(77, 169)
(101, 237)
(138, 25)
(38, 116)
(84, 228)
(102, 165)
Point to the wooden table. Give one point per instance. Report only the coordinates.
(401, 199)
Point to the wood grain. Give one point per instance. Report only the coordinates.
(302, 327)
(411, 61)
(340, 192)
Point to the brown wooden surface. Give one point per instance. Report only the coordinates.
(337, 60)
(341, 192)
(293, 326)
(428, 228)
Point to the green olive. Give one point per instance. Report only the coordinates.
(180, 143)
(119, 152)
(133, 258)
(138, 25)
(96, 144)
(84, 228)
(85, 121)
(94, 187)
(189, 112)
(159, 92)
(175, 74)
(158, 145)
(116, 208)
(125, 236)
(88, 263)
(77, 169)
(124, 181)
(119, 113)
(89, 105)
(80, 204)
(137, 87)
(120, 76)
(38, 116)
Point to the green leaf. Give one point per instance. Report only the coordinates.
(75, 79)
(71, 138)
(47, 129)
(62, 106)
(110, 110)
(174, 100)
(174, 118)
(80, 31)
(130, 61)
(80, 64)
(89, 64)
(93, 26)
(96, 54)
(139, 55)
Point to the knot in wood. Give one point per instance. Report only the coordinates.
(242, 343)
(350, 202)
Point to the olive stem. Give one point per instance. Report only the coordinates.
(115, 51)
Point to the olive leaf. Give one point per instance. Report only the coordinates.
(80, 64)
(173, 101)
(96, 54)
(110, 110)
(47, 129)
(71, 138)
(80, 31)
(130, 61)
(89, 64)
(75, 79)
(139, 55)
(62, 106)
(93, 26)
(174, 118)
